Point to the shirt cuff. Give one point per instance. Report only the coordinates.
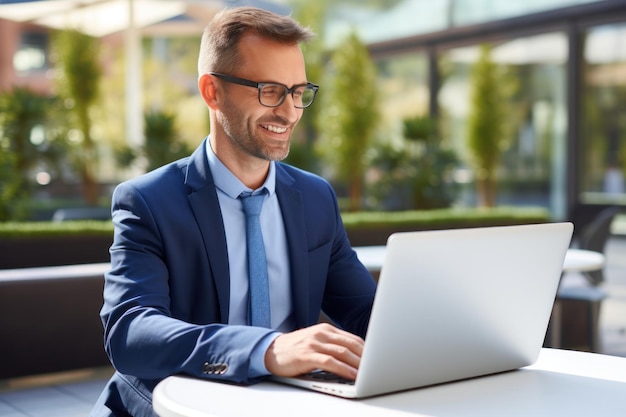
(257, 358)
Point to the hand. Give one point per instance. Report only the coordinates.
(321, 346)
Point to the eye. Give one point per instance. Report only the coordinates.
(273, 90)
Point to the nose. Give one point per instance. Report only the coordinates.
(288, 110)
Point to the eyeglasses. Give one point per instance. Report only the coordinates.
(273, 94)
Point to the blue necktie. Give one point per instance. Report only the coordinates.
(258, 295)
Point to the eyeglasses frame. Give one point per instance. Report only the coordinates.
(259, 85)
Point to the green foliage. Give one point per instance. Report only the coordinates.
(417, 219)
(351, 114)
(77, 55)
(162, 142)
(486, 124)
(76, 58)
(302, 152)
(21, 110)
(604, 128)
(10, 192)
(422, 167)
(419, 128)
(170, 74)
(448, 218)
(10, 230)
(302, 155)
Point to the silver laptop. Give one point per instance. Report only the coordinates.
(456, 304)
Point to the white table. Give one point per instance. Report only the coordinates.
(582, 260)
(576, 260)
(560, 383)
(95, 270)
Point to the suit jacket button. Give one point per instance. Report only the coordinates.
(214, 368)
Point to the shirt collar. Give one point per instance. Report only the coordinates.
(228, 183)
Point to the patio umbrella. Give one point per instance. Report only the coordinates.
(93, 17)
(104, 17)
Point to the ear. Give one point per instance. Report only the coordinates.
(207, 87)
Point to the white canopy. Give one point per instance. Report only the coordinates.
(104, 17)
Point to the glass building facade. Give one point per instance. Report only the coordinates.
(566, 144)
(567, 59)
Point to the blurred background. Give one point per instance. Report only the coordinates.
(423, 103)
(453, 107)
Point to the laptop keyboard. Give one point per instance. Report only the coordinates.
(325, 376)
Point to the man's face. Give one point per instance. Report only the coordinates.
(252, 128)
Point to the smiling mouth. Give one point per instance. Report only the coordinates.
(274, 129)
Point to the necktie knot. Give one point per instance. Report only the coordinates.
(252, 204)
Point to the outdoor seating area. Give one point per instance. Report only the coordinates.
(130, 128)
(72, 393)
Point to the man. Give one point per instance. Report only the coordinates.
(176, 299)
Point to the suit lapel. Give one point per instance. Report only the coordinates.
(206, 209)
(290, 200)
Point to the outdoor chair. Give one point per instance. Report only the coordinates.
(593, 237)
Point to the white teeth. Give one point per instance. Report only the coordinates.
(275, 129)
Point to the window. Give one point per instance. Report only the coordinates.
(32, 54)
(532, 167)
(603, 128)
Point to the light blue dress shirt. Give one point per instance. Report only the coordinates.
(229, 187)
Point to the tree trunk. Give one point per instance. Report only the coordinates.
(355, 192)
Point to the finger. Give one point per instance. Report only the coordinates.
(346, 351)
(330, 334)
(350, 342)
(331, 364)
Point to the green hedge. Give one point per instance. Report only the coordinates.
(69, 228)
(419, 219)
(436, 219)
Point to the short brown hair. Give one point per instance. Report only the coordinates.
(218, 49)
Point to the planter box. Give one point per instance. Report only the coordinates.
(49, 319)
(29, 252)
(63, 244)
(370, 235)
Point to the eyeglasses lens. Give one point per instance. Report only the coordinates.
(273, 95)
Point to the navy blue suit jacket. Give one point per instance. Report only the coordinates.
(166, 297)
